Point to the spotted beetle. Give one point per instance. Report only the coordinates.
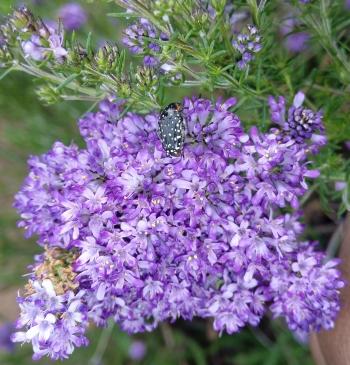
(172, 129)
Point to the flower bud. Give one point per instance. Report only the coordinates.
(23, 20)
(124, 90)
(48, 94)
(5, 54)
(106, 58)
(146, 79)
(77, 55)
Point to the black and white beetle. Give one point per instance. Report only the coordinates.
(172, 129)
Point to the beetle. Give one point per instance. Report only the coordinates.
(172, 129)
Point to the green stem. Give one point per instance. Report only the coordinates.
(328, 90)
(321, 26)
(334, 242)
(7, 72)
(102, 345)
(253, 6)
(59, 80)
(81, 98)
(184, 46)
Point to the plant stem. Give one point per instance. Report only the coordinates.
(102, 345)
(55, 79)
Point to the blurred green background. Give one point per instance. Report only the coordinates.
(28, 128)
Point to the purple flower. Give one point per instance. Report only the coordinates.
(340, 185)
(150, 61)
(55, 42)
(73, 16)
(301, 124)
(247, 44)
(47, 41)
(305, 295)
(294, 41)
(153, 238)
(54, 324)
(297, 42)
(143, 38)
(33, 48)
(6, 331)
(137, 350)
(95, 199)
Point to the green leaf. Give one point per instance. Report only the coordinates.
(67, 81)
(122, 15)
(89, 47)
(6, 72)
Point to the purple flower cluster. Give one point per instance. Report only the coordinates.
(73, 16)
(300, 123)
(45, 42)
(143, 38)
(159, 238)
(54, 324)
(247, 44)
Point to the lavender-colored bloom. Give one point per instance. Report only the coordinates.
(150, 61)
(340, 185)
(46, 41)
(300, 124)
(294, 41)
(159, 238)
(73, 16)
(247, 44)
(33, 48)
(6, 331)
(297, 42)
(54, 324)
(277, 110)
(55, 46)
(347, 4)
(137, 350)
(139, 39)
(206, 7)
(171, 71)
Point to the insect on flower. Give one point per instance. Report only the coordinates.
(172, 130)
